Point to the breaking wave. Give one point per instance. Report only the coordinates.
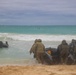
(31, 37)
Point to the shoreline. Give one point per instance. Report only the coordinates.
(38, 70)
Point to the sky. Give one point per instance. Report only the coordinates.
(37, 12)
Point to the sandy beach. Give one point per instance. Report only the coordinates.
(38, 70)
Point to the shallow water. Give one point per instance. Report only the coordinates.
(21, 38)
(18, 51)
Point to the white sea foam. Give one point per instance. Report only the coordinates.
(31, 37)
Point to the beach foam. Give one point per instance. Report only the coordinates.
(31, 37)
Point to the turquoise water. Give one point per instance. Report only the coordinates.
(21, 38)
(39, 29)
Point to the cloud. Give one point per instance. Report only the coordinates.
(37, 11)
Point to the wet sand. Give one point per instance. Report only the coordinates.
(38, 70)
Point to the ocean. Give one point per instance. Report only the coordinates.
(21, 38)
